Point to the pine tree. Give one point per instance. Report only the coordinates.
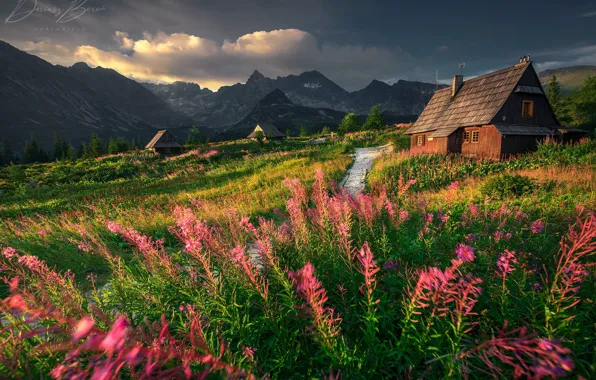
(95, 148)
(122, 145)
(375, 119)
(69, 153)
(326, 130)
(194, 136)
(31, 152)
(350, 123)
(82, 151)
(553, 93)
(303, 132)
(58, 148)
(288, 133)
(113, 146)
(8, 155)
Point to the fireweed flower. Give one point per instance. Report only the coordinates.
(369, 269)
(537, 227)
(82, 328)
(527, 355)
(454, 185)
(43, 232)
(9, 252)
(310, 289)
(465, 253)
(470, 238)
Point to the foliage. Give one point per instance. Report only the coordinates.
(350, 123)
(375, 120)
(326, 130)
(304, 132)
(584, 105)
(194, 136)
(234, 271)
(95, 148)
(260, 137)
(553, 93)
(506, 185)
(33, 152)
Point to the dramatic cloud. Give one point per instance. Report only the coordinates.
(180, 56)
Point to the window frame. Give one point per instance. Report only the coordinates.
(466, 137)
(420, 140)
(530, 109)
(475, 134)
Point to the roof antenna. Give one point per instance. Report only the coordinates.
(462, 66)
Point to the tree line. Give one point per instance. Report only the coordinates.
(64, 151)
(576, 110)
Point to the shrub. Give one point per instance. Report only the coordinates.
(506, 185)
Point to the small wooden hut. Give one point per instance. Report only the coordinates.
(164, 143)
(269, 132)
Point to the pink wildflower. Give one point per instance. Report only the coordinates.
(9, 253)
(43, 232)
(310, 289)
(82, 328)
(470, 238)
(465, 253)
(454, 185)
(249, 352)
(537, 227)
(85, 246)
(114, 227)
(115, 338)
(369, 269)
(505, 264)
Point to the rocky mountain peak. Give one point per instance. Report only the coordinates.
(276, 97)
(255, 77)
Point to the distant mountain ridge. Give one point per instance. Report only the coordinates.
(42, 100)
(570, 78)
(309, 89)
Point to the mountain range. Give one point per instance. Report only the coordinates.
(44, 100)
(310, 89)
(570, 78)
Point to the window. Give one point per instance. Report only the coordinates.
(466, 137)
(475, 137)
(528, 108)
(420, 140)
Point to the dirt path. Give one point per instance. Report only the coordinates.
(355, 179)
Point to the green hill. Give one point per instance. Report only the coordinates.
(570, 78)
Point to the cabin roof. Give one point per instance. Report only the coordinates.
(476, 103)
(269, 131)
(523, 130)
(163, 139)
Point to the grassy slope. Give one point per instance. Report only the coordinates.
(243, 175)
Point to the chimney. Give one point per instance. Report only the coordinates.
(458, 81)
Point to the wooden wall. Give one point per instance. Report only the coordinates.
(436, 145)
(512, 109)
(489, 144)
(513, 145)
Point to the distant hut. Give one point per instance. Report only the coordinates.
(164, 143)
(269, 132)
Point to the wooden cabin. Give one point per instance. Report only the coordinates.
(269, 132)
(494, 115)
(164, 143)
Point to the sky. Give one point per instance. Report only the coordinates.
(221, 42)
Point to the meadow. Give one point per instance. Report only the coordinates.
(244, 260)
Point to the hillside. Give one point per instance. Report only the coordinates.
(44, 100)
(570, 78)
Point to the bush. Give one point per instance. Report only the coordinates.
(507, 185)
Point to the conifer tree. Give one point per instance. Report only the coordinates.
(58, 148)
(113, 146)
(95, 148)
(375, 119)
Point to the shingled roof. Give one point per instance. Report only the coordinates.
(163, 139)
(268, 130)
(476, 103)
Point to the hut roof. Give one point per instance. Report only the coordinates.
(163, 139)
(523, 130)
(268, 130)
(476, 103)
